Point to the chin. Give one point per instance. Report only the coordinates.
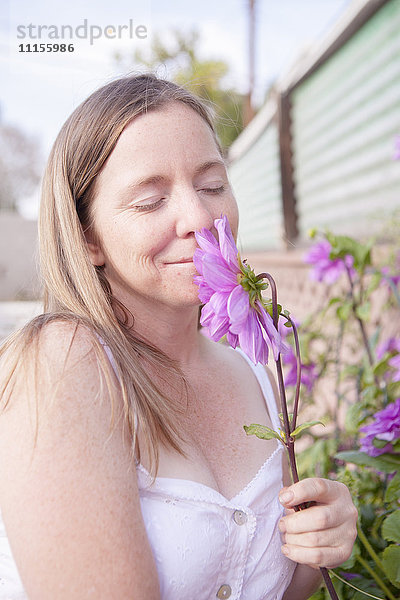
(187, 298)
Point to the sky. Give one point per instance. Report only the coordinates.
(40, 89)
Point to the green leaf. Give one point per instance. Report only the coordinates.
(342, 245)
(334, 300)
(396, 445)
(385, 462)
(391, 527)
(354, 417)
(262, 432)
(304, 426)
(379, 443)
(391, 563)
(350, 371)
(363, 311)
(343, 311)
(381, 367)
(393, 389)
(393, 490)
(268, 307)
(374, 283)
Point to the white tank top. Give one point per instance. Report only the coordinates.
(205, 545)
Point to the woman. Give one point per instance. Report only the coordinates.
(124, 469)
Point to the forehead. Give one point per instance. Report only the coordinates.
(161, 135)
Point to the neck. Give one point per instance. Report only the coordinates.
(174, 331)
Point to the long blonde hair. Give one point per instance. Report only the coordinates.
(76, 290)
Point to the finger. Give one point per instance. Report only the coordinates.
(319, 539)
(313, 489)
(315, 518)
(317, 557)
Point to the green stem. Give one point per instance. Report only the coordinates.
(337, 377)
(289, 441)
(378, 580)
(359, 321)
(298, 375)
(370, 549)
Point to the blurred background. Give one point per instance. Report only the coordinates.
(308, 99)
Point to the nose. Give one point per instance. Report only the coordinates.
(193, 212)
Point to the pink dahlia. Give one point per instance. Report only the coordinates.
(231, 294)
(325, 268)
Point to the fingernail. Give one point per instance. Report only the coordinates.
(282, 526)
(285, 551)
(286, 497)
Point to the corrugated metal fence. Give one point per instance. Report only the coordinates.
(341, 121)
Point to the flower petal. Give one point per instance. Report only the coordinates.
(226, 242)
(198, 256)
(251, 340)
(218, 328)
(238, 307)
(207, 241)
(217, 274)
(205, 292)
(272, 333)
(218, 301)
(232, 339)
(207, 314)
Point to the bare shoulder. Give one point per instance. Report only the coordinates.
(64, 345)
(58, 354)
(71, 477)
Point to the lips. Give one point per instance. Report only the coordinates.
(180, 261)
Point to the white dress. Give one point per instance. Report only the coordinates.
(205, 545)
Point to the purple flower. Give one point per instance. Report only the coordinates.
(395, 363)
(386, 427)
(350, 576)
(308, 372)
(231, 295)
(391, 277)
(389, 345)
(285, 331)
(324, 268)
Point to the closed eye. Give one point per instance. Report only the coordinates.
(216, 190)
(148, 206)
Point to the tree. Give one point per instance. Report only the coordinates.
(20, 166)
(202, 77)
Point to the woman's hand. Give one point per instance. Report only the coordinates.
(323, 534)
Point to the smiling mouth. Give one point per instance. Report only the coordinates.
(182, 261)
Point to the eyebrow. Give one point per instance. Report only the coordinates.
(153, 179)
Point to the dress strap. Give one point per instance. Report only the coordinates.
(266, 388)
(109, 355)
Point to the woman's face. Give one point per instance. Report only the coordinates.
(164, 180)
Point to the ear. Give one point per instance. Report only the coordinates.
(95, 252)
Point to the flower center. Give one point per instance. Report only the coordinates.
(250, 282)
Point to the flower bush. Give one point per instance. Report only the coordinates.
(362, 447)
